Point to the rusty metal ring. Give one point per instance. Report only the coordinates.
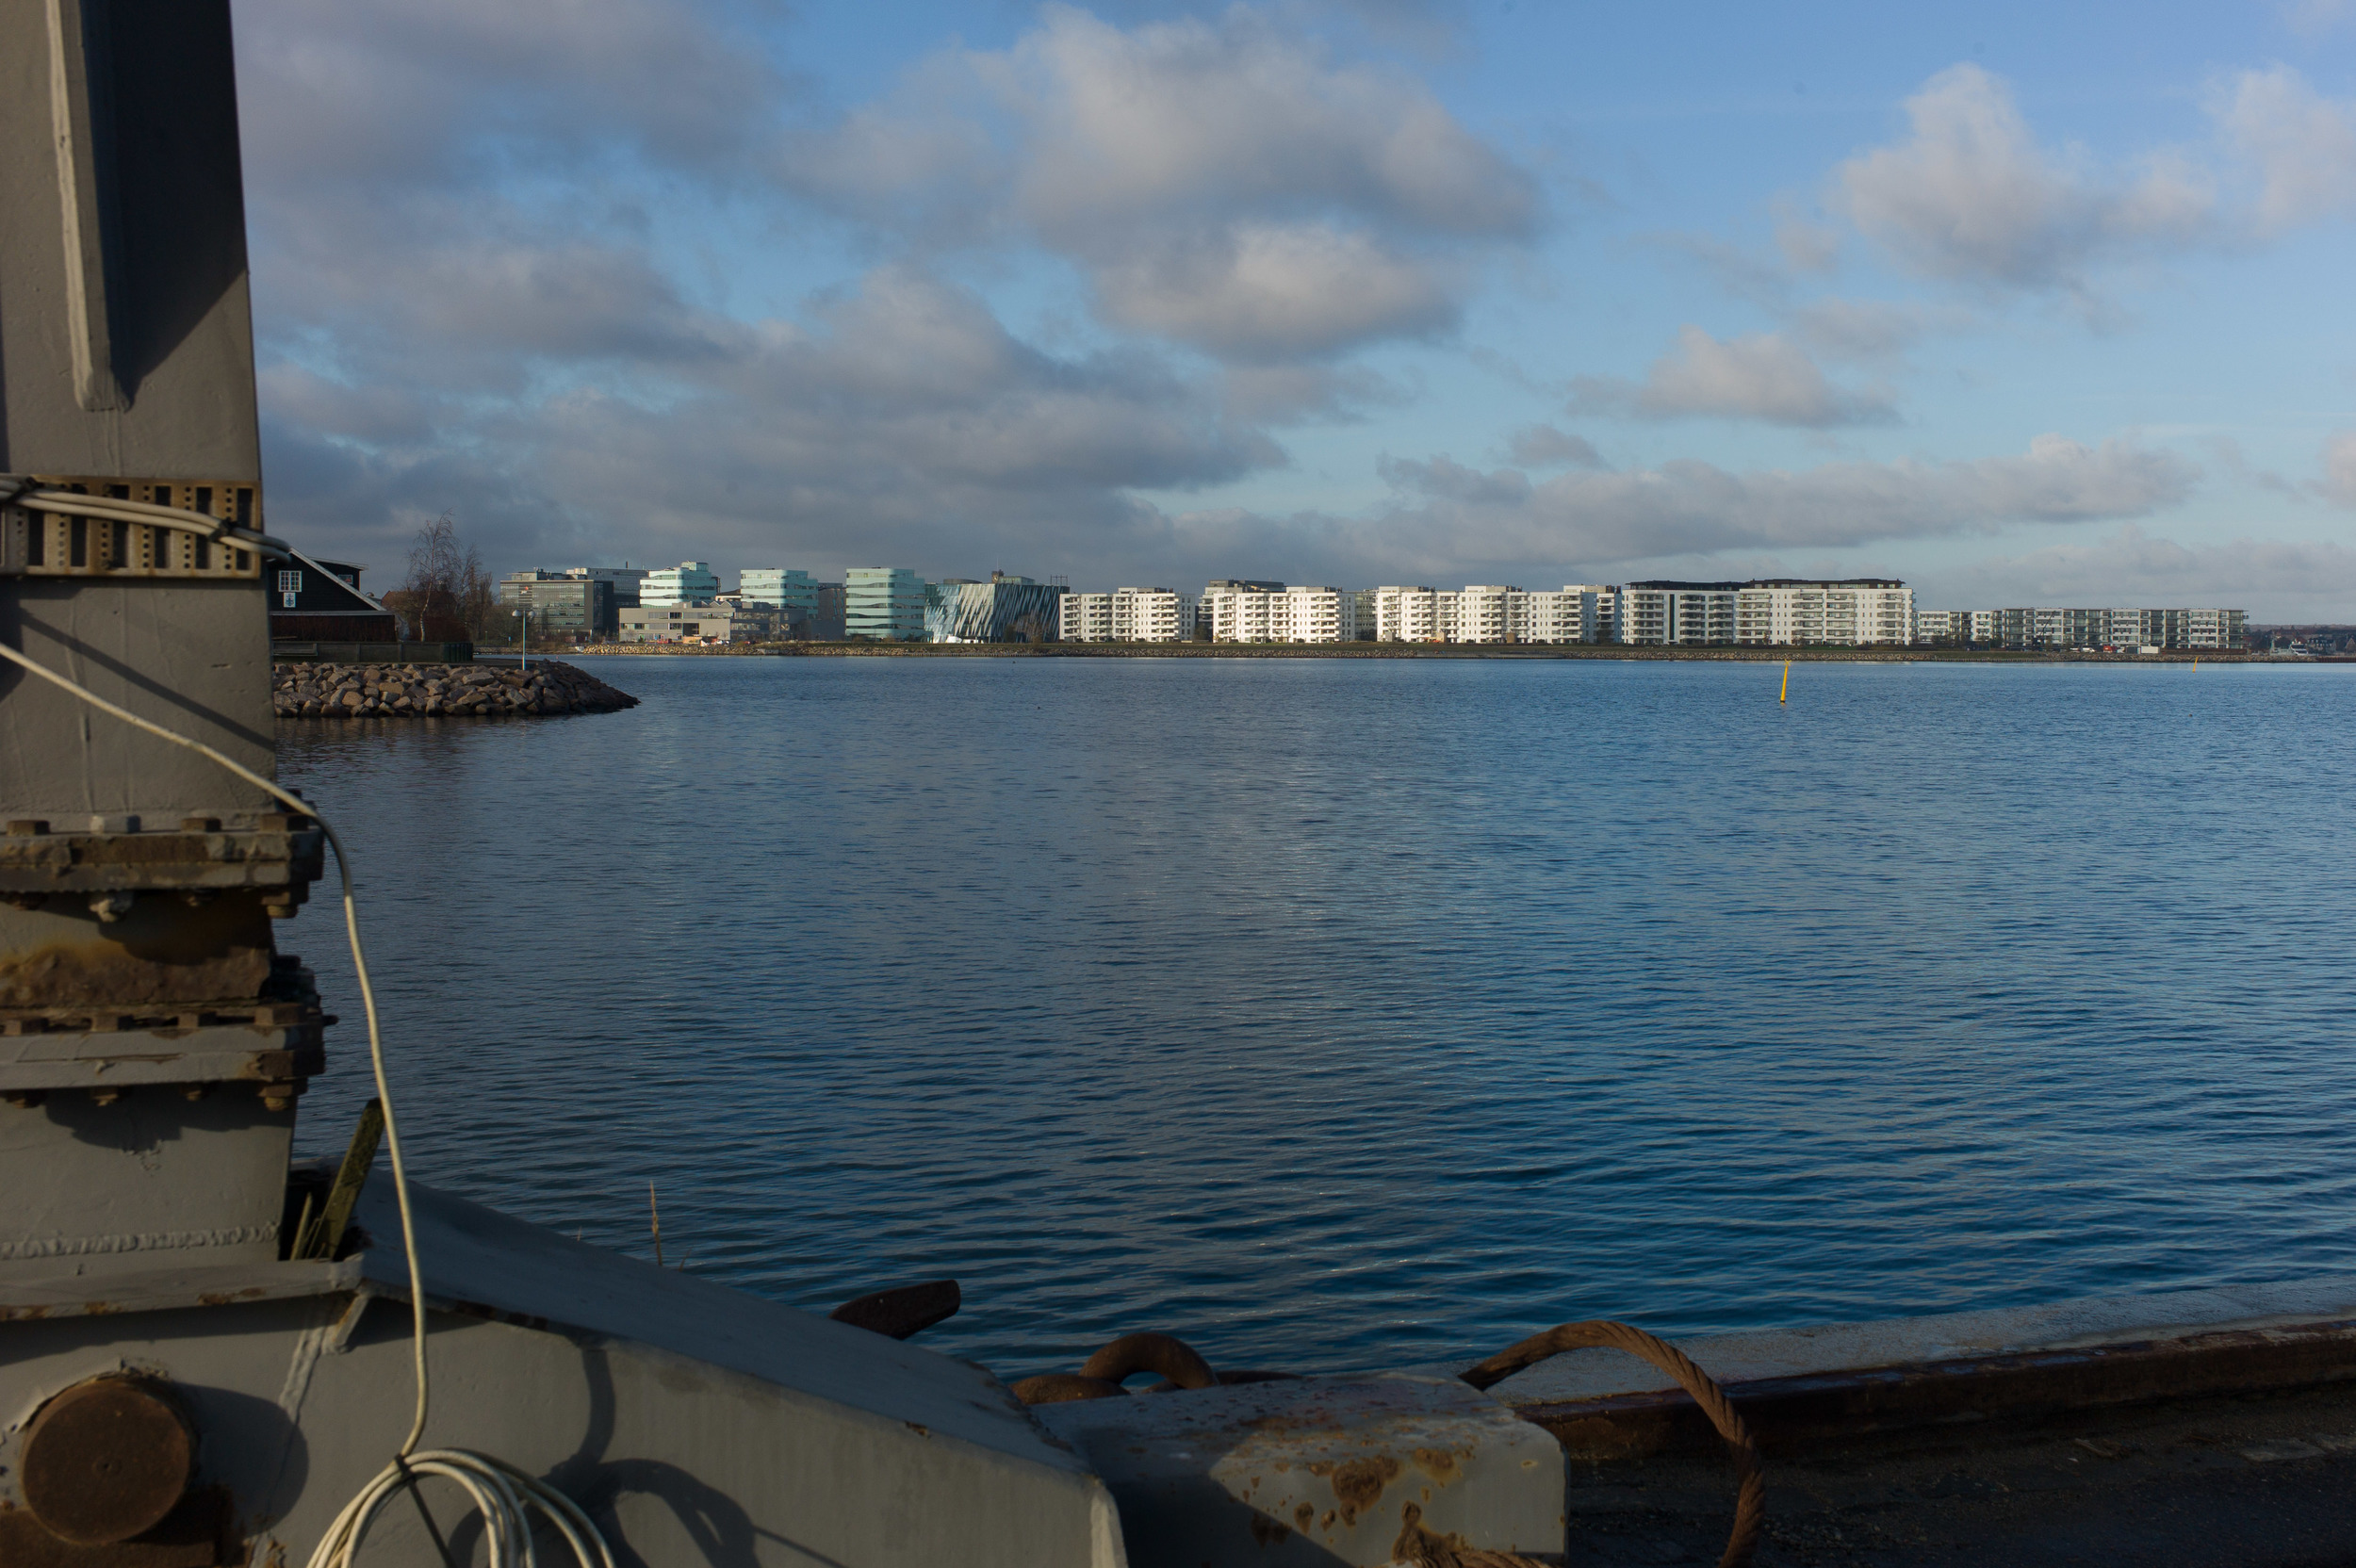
(1130, 1354)
(1057, 1388)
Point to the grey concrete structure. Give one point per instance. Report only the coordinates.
(158, 1253)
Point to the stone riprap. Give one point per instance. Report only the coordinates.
(413, 691)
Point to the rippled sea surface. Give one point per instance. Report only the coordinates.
(1335, 1014)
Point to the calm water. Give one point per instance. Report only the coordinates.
(1335, 1014)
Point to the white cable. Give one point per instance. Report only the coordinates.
(500, 1490)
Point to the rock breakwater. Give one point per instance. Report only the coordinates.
(407, 691)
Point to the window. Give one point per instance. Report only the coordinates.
(290, 582)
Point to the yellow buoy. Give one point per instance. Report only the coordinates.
(1786, 692)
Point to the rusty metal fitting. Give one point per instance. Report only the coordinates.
(1056, 1388)
(1130, 1354)
(111, 904)
(107, 1096)
(108, 1460)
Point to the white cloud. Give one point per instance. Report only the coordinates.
(1764, 376)
(905, 421)
(1867, 331)
(1454, 516)
(1254, 292)
(2302, 144)
(1227, 184)
(2339, 467)
(1971, 197)
(1545, 446)
(1807, 247)
(2312, 19)
(2295, 577)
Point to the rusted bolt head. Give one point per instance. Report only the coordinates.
(107, 1459)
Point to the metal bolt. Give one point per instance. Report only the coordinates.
(107, 1097)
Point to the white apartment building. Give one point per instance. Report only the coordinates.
(1418, 614)
(1691, 614)
(1480, 613)
(1856, 612)
(688, 582)
(1126, 616)
(1493, 613)
(2216, 628)
(1577, 613)
(1152, 615)
(1083, 618)
(1947, 627)
(1300, 614)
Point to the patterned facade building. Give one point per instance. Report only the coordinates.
(1006, 608)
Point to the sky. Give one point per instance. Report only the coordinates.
(2024, 304)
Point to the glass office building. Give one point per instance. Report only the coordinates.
(884, 604)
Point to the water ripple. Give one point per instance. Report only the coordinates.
(1338, 1014)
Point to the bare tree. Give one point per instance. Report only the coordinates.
(448, 596)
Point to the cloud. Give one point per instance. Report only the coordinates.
(1764, 376)
(1866, 332)
(2312, 19)
(410, 93)
(1226, 185)
(1545, 446)
(904, 422)
(1971, 197)
(2295, 577)
(1256, 293)
(1445, 513)
(1807, 247)
(2302, 144)
(2339, 467)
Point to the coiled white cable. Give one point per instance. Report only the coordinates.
(501, 1491)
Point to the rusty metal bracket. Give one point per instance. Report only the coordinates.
(272, 851)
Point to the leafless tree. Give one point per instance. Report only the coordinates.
(448, 596)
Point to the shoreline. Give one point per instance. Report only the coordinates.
(1618, 651)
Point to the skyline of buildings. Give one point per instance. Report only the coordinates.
(894, 603)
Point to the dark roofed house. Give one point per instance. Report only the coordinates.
(320, 602)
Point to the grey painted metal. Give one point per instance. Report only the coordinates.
(152, 1037)
(161, 188)
(1318, 1472)
(151, 1177)
(1835, 1348)
(703, 1425)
